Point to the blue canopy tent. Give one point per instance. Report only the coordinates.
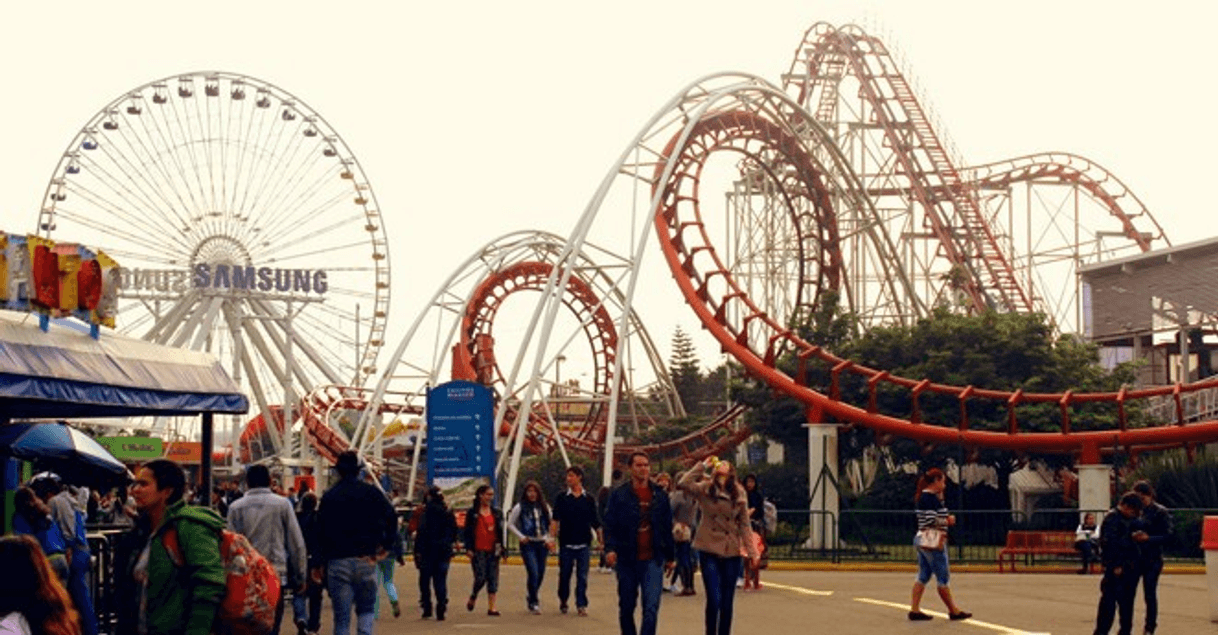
(62, 373)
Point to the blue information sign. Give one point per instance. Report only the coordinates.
(460, 439)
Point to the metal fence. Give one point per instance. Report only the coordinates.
(863, 535)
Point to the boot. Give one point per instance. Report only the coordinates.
(426, 611)
(440, 610)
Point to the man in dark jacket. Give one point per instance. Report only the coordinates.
(356, 527)
(1120, 556)
(639, 544)
(1156, 533)
(433, 551)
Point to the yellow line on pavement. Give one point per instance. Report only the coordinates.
(796, 589)
(974, 622)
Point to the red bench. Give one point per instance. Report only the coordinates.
(1033, 543)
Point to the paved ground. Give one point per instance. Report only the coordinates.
(838, 603)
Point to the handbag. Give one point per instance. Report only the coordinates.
(931, 539)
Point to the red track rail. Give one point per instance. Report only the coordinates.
(825, 57)
(756, 340)
(474, 355)
(316, 411)
(1071, 169)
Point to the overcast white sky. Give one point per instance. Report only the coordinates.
(473, 119)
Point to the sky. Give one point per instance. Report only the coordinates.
(475, 119)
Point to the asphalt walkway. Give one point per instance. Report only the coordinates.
(837, 602)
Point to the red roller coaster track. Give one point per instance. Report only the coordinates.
(919, 168)
(756, 339)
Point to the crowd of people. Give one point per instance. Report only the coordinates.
(645, 527)
(652, 530)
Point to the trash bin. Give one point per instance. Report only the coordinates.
(1209, 542)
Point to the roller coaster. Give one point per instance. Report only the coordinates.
(839, 179)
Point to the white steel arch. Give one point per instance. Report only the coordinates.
(630, 203)
(457, 313)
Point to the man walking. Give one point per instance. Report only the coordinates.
(1119, 554)
(639, 544)
(573, 521)
(69, 515)
(357, 527)
(1156, 532)
(269, 522)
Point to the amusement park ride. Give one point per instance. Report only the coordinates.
(252, 232)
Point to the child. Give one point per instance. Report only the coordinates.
(752, 568)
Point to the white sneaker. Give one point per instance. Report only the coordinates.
(739, 582)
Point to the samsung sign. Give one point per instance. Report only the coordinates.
(226, 277)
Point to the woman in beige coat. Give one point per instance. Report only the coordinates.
(723, 534)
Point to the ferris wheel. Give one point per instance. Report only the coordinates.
(244, 226)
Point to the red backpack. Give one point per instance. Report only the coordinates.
(251, 585)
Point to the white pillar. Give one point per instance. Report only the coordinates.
(775, 453)
(1094, 488)
(822, 485)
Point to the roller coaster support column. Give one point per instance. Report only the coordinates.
(823, 489)
(1094, 481)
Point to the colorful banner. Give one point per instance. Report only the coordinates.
(58, 279)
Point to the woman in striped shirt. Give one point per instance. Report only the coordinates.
(932, 514)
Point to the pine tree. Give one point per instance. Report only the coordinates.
(686, 370)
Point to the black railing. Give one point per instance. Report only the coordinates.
(887, 536)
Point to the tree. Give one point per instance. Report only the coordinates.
(781, 418)
(551, 473)
(686, 370)
(1001, 351)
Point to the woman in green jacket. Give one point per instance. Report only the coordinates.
(177, 598)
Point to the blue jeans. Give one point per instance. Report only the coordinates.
(634, 576)
(685, 565)
(307, 606)
(433, 573)
(78, 588)
(352, 583)
(933, 562)
(384, 574)
(719, 575)
(568, 559)
(534, 556)
(1149, 575)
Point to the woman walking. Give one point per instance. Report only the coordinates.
(723, 534)
(931, 543)
(33, 518)
(385, 567)
(433, 550)
(484, 546)
(530, 521)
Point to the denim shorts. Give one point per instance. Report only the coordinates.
(933, 562)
